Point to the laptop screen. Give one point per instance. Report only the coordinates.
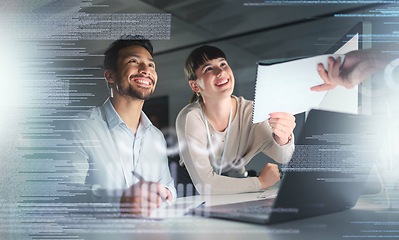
(331, 163)
(333, 156)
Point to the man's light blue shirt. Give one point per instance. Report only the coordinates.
(106, 152)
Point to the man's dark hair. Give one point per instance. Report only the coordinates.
(111, 54)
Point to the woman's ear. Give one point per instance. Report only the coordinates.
(194, 86)
(109, 76)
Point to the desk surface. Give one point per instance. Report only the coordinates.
(369, 219)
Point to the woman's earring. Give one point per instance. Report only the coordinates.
(198, 94)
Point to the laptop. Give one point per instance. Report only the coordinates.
(330, 165)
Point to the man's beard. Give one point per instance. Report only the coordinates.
(134, 93)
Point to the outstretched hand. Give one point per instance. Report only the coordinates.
(357, 67)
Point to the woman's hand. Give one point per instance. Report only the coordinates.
(282, 125)
(269, 175)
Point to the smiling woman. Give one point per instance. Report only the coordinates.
(216, 136)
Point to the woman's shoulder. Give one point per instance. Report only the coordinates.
(190, 110)
(243, 104)
(190, 118)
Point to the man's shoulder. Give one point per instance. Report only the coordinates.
(90, 118)
(91, 115)
(84, 122)
(153, 130)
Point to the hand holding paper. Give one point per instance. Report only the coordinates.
(358, 66)
(282, 125)
(285, 86)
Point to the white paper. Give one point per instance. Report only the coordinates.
(176, 209)
(285, 87)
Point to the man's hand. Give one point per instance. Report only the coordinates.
(269, 175)
(143, 197)
(357, 67)
(282, 125)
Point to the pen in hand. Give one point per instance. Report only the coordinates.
(140, 178)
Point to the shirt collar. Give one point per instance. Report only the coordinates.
(113, 119)
(145, 123)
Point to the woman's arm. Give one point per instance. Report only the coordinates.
(194, 152)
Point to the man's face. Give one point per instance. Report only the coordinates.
(135, 75)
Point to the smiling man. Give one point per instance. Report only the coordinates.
(117, 152)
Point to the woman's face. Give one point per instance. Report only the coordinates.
(214, 79)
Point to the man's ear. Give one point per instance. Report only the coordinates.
(194, 86)
(109, 76)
